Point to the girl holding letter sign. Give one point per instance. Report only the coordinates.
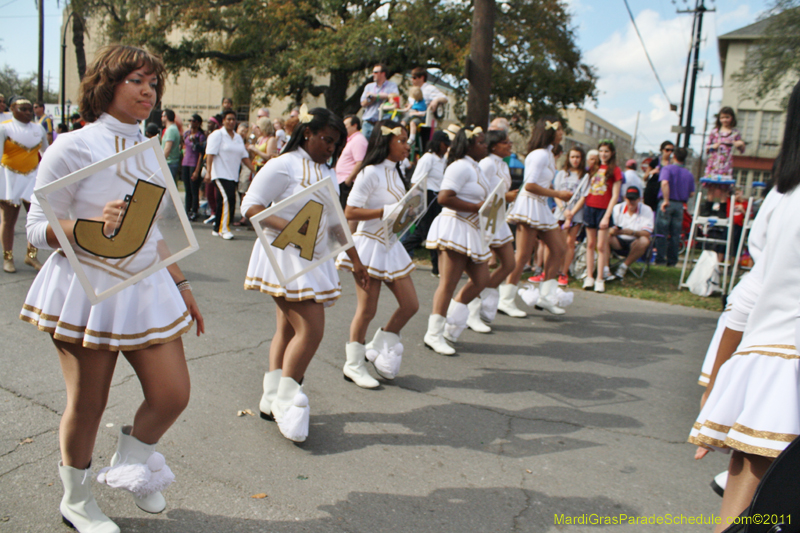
(145, 320)
(375, 195)
(455, 233)
(318, 138)
(502, 244)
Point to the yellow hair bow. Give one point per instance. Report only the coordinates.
(551, 125)
(391, 131)
(473, 133)
(305, 117)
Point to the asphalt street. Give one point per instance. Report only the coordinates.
(581, 415)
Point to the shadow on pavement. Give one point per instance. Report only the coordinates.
(470, 510)
(524, 433)
(584, 387)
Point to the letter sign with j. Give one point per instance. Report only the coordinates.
(133, 227)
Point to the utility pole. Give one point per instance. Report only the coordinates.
(686, 79)
(635, 133)
(710, 87)
(700, 9)
(479, 63)
(40, 89)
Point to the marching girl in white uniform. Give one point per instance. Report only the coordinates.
(375, 194)
(21, 141)
(752, 403)
(757, 238)
(495, 169)
(145, 321)
(534, 218)
(318, 138)
(457, 236)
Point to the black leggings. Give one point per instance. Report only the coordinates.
(226, 203)
(192, 189)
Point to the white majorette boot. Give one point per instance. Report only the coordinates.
(474, 321)
(508, 294)
(489, 300)
(355, 369)
(386, 353)
(139, 469)
(434, 338)
(271, 380)
(547, 297)
(78, 506)
(291, 410)
(457, 315)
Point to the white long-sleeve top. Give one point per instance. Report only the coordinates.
(751, 286)
(494, 167)
(375, 187)
(430, 165)
(285, 176)
(540, 167)
(76, 150)
(465, 178)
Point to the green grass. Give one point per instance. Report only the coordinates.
(659, 284)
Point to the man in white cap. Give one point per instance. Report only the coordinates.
(632, 229)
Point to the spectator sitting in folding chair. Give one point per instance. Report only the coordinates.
(632, 230)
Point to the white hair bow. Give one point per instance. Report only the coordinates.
(305, 117)
(471, 134)
(391, 131)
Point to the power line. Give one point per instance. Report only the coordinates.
(652, 67)
(7, 4)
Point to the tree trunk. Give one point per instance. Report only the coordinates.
(78, 30)
(336, 93)
(479, 72)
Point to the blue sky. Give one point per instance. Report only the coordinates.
(605, 35)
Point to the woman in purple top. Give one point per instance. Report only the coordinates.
(194, 142)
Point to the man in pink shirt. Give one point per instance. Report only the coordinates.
(351, 158)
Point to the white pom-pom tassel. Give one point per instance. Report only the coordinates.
(489, 300)
(125, 476)
(371, 354)
(564, 298)
(294, 423)
(159, 480)
(457, 315)
(529, 294)
(387, 362)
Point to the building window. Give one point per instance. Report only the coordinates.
(770, 128)
(746, 123)
(740, 175)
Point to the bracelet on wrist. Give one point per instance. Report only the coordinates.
(184, 286)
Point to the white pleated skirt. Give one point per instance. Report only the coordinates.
(754, 406)
(380, 263)
(16, 187)
(320, 284)
(450, 231)
(501, 236)
(150, 312)
(532, 211)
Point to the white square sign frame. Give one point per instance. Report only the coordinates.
(308, 192)
(498, 194)
(42, 192)
(388, 222)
